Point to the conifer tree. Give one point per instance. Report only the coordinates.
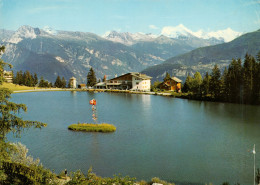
(215, 84)
(35, 79)
(196, 83)
(63, 83)
(91, 78)
(9, 121)
(223, 82)
(58, 82)
(167, 77)
(248, 77)
(188, 84)
(256, 82)
(205, 84)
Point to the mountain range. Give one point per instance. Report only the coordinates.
(203, 59)
(51, 52)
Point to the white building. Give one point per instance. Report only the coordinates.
(73, 82)
(129, 81)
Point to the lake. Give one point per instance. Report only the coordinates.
(170, 138)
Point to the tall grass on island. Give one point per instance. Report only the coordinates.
(90, 127)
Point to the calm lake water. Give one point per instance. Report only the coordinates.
(170, 138)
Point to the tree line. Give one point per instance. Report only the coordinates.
(239, 83)
(31, 80)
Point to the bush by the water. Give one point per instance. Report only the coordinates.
(90, 127)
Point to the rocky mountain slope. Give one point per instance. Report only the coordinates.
(70, 54)
(203, 59)
(50, 53)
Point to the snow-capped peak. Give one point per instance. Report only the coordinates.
(180, 30)
(227, 34)
(175, 32)
(49, 30)
(24, 32)
(128, 38)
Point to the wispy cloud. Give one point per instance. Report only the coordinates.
(153, 27)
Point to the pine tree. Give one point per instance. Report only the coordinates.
(63, 83)
(35, 79)
(256, 81)
(205, 84)
(196, 83)
(223, 81)
(42, 82)
(58, 82)
(167, 77)
(215, 84)
(187, 87)
(9, 121)
(233, 82)
(91, 78)
(248, 75)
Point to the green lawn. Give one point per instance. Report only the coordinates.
(90, 127)
(14, 87)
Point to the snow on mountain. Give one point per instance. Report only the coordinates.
(24, 32)
(180, 31)
(50, 30)
(227, 34)
(128, 38)
(177, 31)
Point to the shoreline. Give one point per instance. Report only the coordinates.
(94, 90)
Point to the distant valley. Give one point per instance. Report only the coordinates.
(203, 59)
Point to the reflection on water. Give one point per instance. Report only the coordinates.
(171, 138)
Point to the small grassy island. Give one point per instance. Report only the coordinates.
(90, 127)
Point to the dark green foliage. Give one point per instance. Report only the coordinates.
(257, 176)
(26, 79)
(214, 83)
(60, 83)
(193, 84)
(225, 183)
(167, 77)
(248, 77)
(91, 78)
(188, 84)
(18, 173)
(205, 84)
(44, 83)
(196, 83)
(63, 83)
(247, 43)
(237, 84)
(233, 81)
(155, 85)
(10, 122)
(35, 79)
(78, 178)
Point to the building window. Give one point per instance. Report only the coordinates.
(137, 83)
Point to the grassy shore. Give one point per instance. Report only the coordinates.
(14, 87)
(90, 127)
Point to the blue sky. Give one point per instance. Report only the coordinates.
(147, 16)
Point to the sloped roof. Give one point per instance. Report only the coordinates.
(135, 74)
(142, 76)
(176, 79)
